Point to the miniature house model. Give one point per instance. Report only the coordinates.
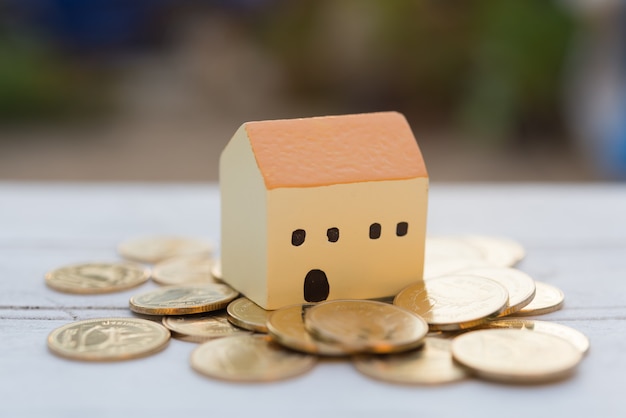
(323, 208)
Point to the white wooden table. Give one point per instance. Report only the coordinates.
(575, 236)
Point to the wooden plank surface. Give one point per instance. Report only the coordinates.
(575, 237)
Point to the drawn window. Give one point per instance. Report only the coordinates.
(375, 231)
(402, 228)
(333, 234)
(297, 237)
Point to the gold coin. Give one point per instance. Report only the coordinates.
(445, 255)
(456, 302)
(155, 249)
(497, 251)
(366, 326)
(286, 326)
(183, 300)
(547, 299)
(182, 270)
(93, 278)
(574, 337)
(446, 248)
(431, 364)
(519, 285)
(249, 358)
(246, 314)
(201, 328)
(216, 270)
(440, 268)
(515, 356)
(470, 250)
(108, 339)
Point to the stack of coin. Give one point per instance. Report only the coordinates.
(460, 321)
(223, 319)
(468, 286)
(109, 339)
(183, 300)
(362, 326)
(450, 254)
(347, 327)
(455, 302)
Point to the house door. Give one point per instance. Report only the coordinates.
(316, 286)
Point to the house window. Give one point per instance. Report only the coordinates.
(297, 237)
(333, 234)
(402, 228)
(375, 231)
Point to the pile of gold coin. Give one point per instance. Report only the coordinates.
(464, 319)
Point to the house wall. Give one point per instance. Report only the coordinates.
(244, 215)
(356, 266)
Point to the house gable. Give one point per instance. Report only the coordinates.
(335, 150)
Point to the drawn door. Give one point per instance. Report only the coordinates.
(316, 286)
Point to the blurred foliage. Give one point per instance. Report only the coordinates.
(490, 67)
(515, 78)
(35, 83)
(372, 53)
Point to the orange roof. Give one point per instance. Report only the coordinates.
(335, 149)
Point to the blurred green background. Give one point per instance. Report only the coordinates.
(152, 90)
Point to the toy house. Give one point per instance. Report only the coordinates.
(323, 208)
